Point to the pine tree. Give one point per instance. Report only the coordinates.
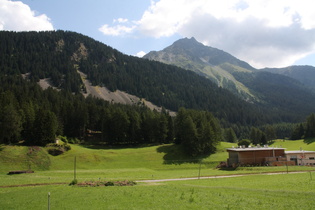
(310, 126)
(45, 128)
(298, 132)
(10, 125)
(229, 135)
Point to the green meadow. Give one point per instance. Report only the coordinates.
(255, 189)
(283, 191)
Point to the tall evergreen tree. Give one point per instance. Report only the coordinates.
(270, 133)
(229, 135)
(310, 126)
(298, 132)
(10, 125)
(45, 128)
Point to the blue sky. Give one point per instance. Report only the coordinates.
(264, 33)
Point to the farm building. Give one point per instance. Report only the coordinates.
(257, 156)
(301, 157)
(269, 156)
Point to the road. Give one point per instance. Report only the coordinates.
(216, 177)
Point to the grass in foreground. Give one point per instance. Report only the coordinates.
(285, 191)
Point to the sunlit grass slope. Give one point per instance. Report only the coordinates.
(138, 163)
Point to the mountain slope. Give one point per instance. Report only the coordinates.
(60, 56)
(269, 90)
(304, 74)
(209, 62)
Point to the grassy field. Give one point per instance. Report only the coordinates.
(95, 162)
(284, 191)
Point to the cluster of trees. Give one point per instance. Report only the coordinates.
(305, 130)
(198, 131)
(37, 116)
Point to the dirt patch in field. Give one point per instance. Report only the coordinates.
(33, 185)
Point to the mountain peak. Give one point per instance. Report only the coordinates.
(191, 49)
(209, 62)
(191, 39)
(186, 42)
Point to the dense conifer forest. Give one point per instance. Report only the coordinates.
(37, 116)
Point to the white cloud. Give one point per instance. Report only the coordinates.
(17, 16)
(117, 30)
(140, 54)
(120, 20)
(261, 32)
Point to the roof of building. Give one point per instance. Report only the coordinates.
(298, 152)
(242, 149)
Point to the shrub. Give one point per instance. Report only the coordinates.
(67, 147)
(57, 149)
(63, 138)
(109, 183)
(74, 182)
(74, 141)
(244, 142)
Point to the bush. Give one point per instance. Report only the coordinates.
(244, 142)
(74, 182)
(74, 141)
(109, 183)
(57, 149)
(63, 138)
(67, 147)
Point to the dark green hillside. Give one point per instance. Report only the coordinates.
(280, 92)
(58, 55)
(286, 99)
(304, 74)
(206, 61)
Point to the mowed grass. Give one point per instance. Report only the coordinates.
(94, 162)
(140, 163)
(308, 144)
(283, 191)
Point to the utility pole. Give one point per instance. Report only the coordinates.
(75, 167)
(199, 169)
(49, 201)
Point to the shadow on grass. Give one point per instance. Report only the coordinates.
(174, 154)
(309, 140)
(228, 169)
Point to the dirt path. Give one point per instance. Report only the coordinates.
(218, 176)
(167, 180)
(33, 185)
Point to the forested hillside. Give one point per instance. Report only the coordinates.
(36, 115)
(288, 97)
(304, 74)
(206, 61)
(58, 55)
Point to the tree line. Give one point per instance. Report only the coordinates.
(37, 116)
(305, 130)
(59, 54)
